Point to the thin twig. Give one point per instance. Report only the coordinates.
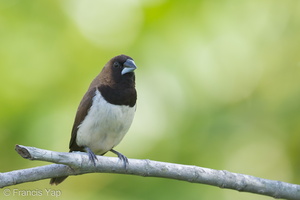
(78, 163)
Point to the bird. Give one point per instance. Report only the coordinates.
(105, 112)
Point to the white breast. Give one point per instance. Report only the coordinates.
(105, 125)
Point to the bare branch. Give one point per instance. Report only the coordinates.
(78, 163)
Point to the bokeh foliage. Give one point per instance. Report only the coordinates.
(218, 86)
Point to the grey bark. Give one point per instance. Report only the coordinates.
(78, 163)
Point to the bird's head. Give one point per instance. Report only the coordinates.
(119, 69)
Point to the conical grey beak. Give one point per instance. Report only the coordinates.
(129, 66)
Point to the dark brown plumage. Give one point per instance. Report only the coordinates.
(106, 111)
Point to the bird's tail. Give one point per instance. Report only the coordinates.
(57, 180)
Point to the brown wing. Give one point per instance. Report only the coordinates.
(82, 111)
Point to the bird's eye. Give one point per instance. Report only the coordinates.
(116, 64)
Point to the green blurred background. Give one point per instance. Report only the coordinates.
(218, 86)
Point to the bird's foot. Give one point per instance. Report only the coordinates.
(121, 157)
(92, 156)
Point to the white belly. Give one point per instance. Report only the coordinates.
(105, 125)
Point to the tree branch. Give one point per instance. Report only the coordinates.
(78, 163)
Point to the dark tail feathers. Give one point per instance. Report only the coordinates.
(57, 180)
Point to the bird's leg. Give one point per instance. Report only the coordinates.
(121, 157)
(92, 156)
